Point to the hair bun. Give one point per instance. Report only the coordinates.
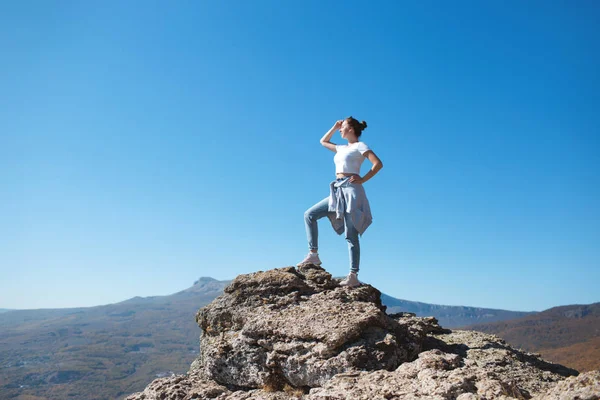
(364, 124)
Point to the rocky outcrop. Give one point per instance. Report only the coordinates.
(297, 327)
(295, 333)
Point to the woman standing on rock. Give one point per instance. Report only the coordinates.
(346, 206)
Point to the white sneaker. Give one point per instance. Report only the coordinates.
(311, 258)
(351, 280)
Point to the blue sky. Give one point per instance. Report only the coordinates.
(146, 144)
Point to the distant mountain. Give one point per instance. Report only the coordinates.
(101, 352)
(450, 316)
(108, 351)
(568, 335)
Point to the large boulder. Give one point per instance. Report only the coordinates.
(293, 333)
(297, 326)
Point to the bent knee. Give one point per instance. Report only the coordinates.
(308, 215)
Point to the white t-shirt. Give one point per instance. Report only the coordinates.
(349, 157)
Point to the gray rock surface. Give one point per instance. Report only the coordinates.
(296, 326)
(583, 387)
(295, 333)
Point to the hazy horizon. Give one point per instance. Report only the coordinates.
(226, 280)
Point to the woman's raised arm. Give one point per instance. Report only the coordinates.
(325, 139)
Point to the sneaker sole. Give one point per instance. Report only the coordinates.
(351, 286)
(309, 263)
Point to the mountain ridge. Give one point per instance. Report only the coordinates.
(215, 284)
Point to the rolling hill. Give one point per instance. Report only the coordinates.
(101, 352)
(568, 335)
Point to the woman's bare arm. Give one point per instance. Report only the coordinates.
(325, 139)
(377, 165)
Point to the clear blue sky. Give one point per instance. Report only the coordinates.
(145, 144)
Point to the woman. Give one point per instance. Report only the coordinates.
(347, 206)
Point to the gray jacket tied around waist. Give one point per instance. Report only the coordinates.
(346, 197)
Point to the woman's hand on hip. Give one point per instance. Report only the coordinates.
(356, 179)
